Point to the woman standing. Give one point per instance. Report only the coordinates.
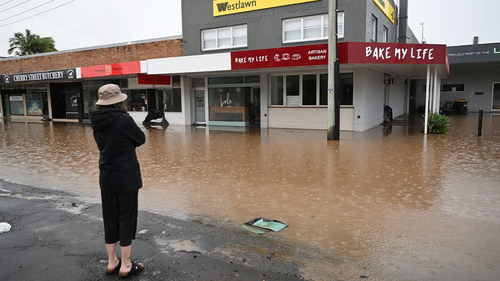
(117, 136)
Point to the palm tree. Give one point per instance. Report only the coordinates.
(44, 45)
(30, 43)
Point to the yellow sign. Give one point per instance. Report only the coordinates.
(387, 8)
(227, 7)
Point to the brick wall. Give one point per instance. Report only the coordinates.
(97, 56)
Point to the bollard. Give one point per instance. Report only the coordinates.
(480, 123)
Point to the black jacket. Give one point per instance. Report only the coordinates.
(117, 135)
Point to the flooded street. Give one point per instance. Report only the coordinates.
(388, 204)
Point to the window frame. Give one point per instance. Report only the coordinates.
(493, 96)
(385, 34)
(448, 84)
(232, 37)
(323, 28)
(374, 29)
(301, 90)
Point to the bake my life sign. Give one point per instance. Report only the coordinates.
(227, 7)
(348, 53)
(392, 53)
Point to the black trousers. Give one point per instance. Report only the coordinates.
(119, 212)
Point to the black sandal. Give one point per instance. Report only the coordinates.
(116, 269)
(136, 269)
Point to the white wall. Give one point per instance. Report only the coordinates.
(190, 64)
(308, 118)
(476, 79)
(397, 99)
(173, 118)
(368, 99)
(298, 117)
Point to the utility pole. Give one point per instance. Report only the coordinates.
(333, 74)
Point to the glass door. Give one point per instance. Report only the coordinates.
(200, 106)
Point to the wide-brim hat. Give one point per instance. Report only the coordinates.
(110, 94)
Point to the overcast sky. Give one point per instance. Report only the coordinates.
(85, 23)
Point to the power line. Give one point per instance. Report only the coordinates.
(38, 13)
(27, 10)
(14, 6)
(6, 2)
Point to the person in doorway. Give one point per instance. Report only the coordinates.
(117, 136)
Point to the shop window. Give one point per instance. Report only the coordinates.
(313, 86)
(34, 104)
(137, 100)
(16, 105)
(226, 80)
(176, 81)
(276, 90)
(310, 28)
(229, 104)
(252, 79)
(309, 89)
(224, 38)
(453, 88)
(323, 89)
(346, 87)
(292, 89)
(173, 102)
(496, 96)
(373, 33)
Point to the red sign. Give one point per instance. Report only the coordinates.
(391, 53)
(153, 79)
(280, 57)
(111, 69)
(348, 52)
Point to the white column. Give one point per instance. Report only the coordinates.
(438, 93)
(1, 106)
(427, 86)
(264, 100)
(187, 100)
(435, 92)
(49, 102)
(207, 105)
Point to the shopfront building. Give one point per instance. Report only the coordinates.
(36, 96)
(287, 87)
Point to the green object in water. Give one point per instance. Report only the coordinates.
(253, 229)
(267, 224)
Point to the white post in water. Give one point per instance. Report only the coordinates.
(333, 130)
(435, 106)
(427, 87)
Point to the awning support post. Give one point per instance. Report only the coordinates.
(427, 87)
(435, 107)
(333, 132)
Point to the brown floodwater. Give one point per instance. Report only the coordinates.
(388, 204)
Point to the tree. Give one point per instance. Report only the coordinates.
(44, 45)
(30, 43)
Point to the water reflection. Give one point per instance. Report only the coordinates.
(379, 203)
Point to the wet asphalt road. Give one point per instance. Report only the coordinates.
(57, 236)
